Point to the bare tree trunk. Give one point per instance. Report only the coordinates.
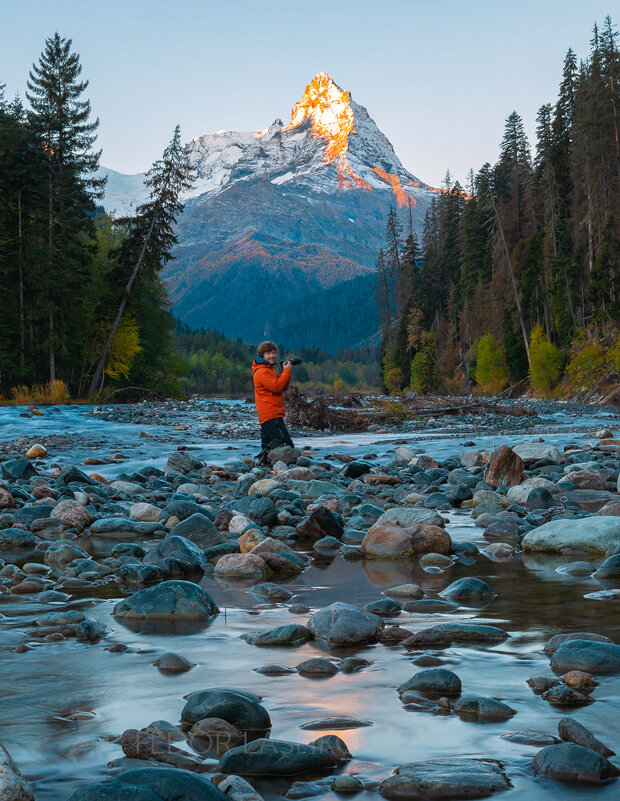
(50, 242)
(52, 351)
(22, 333)
(99, 371)
(514, 283)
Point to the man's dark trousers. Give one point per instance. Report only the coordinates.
(274, 433)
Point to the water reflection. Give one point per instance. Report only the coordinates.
(125, 690)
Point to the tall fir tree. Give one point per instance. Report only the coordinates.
(60, 119)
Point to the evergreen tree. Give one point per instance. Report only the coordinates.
(150, 235)
(60, 120)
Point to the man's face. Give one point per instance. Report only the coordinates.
(271, 356)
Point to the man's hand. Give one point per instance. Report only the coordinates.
(286, 364)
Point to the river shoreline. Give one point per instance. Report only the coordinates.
(69, 697)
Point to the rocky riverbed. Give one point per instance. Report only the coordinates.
(428, 611)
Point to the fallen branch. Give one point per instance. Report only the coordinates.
(139, 389)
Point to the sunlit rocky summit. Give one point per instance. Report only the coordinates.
(282, 227)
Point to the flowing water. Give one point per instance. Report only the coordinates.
(41, 688)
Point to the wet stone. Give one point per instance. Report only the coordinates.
(531, 737)
(275, 670)
(587, 655)
(571, 730)
(480, 708)
(434, 681)
(275, 758)
(569, 762)
(446, 778)
(291, 634)
(317, 667)
(331, 724)
(238, 707)
(541, 682)
(173, 663)
(562, 695)
(384, 607)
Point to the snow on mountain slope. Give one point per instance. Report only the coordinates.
(280, 218)
(330, 143)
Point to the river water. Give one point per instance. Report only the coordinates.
(43, 688)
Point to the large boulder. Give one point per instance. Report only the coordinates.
(241, 566)
(322, 522)
(478, 707)
(72, 513)
(588, 479)
(571, 731)
(275, 758)
(553, 643)
(123, 527)
(411, 516)
(261, 510)
(13, 786)
(61, 552)
(470, 632)
(145, 512)
(291, 634)
(177, 600)
(151, 784)
(240, 708)
(468, 591)
(569, 762)
(199, 529)
(17, 539)
(435, 681)
(448, 777)
(15, 469)
(391, 541)
(594, 534)
(587, 655)
(181, 462)
(283, 453)
(6, 498)
(177, 556)
(505, 467)
(589, 500)
(610, 568)
(531, 452)
(344, 624)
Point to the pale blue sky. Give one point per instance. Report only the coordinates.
(439, 78)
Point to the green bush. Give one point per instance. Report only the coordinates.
(424, 364)
(491, 374)
(546, 362)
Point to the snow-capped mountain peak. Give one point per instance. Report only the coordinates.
(329, 110)
(330, 144)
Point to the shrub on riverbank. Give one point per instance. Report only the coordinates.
(54, 392)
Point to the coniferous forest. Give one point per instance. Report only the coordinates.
(517, 274)
(81, 300)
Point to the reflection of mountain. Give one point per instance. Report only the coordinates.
(281, 216)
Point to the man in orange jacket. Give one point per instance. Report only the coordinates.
(269, 395)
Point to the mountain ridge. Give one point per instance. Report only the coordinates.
(299, 207)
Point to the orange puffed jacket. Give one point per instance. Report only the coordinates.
(269, 389)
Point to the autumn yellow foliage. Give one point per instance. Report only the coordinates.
(125, 347)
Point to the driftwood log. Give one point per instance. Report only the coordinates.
(317, 413)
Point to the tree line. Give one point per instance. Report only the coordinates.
(216, 364)
(517, 275)
(81, 300)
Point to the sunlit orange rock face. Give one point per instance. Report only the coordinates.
(402, 199)
(330, 112)
(328, 108)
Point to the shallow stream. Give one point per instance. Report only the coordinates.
(41, 688)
